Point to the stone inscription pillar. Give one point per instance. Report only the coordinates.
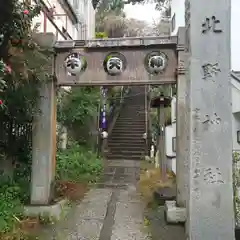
(210, 203)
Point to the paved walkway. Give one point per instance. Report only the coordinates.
(112, 212)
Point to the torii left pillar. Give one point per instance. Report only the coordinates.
(44, 138)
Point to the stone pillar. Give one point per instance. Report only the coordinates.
(182, 160)
(43, 153)
(44, 137)
(210, 212)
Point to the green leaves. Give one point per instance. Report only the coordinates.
(78, 106)
(10, 203)
(100, 35)
(78, 164)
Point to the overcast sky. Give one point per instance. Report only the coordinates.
(147, 12)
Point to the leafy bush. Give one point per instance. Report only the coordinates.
(14, 193)
(78, 164)
(101, 35)
(10, 203)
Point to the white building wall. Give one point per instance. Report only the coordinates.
(235, 96)
(170, 133)
(235, 128)
(178, 8)
(61, 21)
(173, 109)
(86, 14)
(89, 20)
(171, 129)
(236, 112)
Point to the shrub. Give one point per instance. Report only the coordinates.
(10, 203)
(78, 164)
(101, 35)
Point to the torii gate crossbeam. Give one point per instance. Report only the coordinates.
(134, 54)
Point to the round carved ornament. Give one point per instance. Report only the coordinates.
(156, 62)
(75, 63)
(114, 64)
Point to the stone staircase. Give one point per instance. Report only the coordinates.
(126, 141)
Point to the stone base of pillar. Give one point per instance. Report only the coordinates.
(55, 211)
(173, 213)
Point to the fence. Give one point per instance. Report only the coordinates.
(15, 138)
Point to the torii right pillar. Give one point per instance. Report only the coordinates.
(210, 213)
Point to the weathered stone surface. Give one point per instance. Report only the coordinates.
(174, 214)
(129, 218)
(94, 195)
(182, 125)
(134, 71)
(44, 149)
(210, 203)
(57, 211)
(87, 229)
(160, 230)
(44, 135)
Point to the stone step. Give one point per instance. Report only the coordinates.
(129, 124)
(126, 127)
(122, 157)
(119, 131)
(132, 116)
(129, 140)
(133, 119)
(128, 137)
(126, 145)
(125, 152)
(127, 132)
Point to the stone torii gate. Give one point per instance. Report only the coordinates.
(198, 60)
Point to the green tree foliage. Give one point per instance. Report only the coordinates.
(77, 105)
(26, 65)
(23, 66)
(78, 164)
(100, 35)
(77, 110)
(111, 19)
(156, 91)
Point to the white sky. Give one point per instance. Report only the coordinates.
(147, 12)
(144, 12)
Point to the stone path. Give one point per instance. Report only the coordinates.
(112, 212)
